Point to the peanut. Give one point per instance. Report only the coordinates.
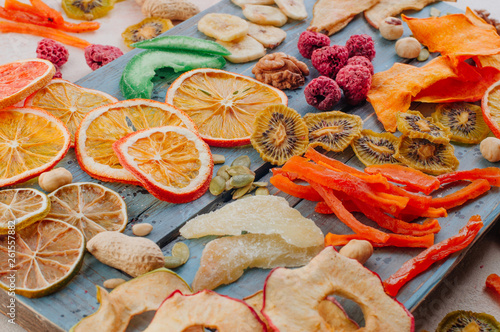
(359, 250)
(51, 180)
(142, 229)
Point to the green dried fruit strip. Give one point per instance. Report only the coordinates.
(183, 43)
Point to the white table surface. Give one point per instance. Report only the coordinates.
(462, 290)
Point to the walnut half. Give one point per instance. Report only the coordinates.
(281, 71)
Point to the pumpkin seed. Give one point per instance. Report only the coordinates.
(242, 160)
(181, 250)
(260, 184)
(218, 159)
(172, 262)
(238, 170)
(434, 12)
(261, 191)
(222, 172)
(245, 196)
(217, 185)
(242, 191)
(228, 185)
(423, 55)
(242, 180)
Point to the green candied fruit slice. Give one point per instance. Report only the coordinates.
(183, 43)
(140, 70)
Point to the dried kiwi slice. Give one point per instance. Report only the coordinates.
(146, 29)
(279, 133)
(375, 148)
(87, 9)
(414, 125)
(333, 131)
(426, 156)
(464, 120)
(457, 321)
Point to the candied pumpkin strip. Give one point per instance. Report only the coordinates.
(47, 11)
(315, 156)
(473, 190)
(493, 283)
(406, 175)
(395, 240)
(31, 29)
(492, 174)
(437, 252)
(346, 217)
(289, 187)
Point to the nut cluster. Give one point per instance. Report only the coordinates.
(281, 71)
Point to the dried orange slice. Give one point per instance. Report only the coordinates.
(90, 207)
(68, 102)
(31, 142)
(49, 253)
(20, 208)
(107, 124)
(21, 78)
(173, 163)
(222, 104)
(490, 105)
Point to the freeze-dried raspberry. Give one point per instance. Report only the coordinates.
(361, 45)
(361, 60)
(322, 93)
(310, 41)
(58, 73)
(100, 55)
(355, 81)
(53, 51)
(329, 59)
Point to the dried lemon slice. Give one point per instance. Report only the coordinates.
(20, 208)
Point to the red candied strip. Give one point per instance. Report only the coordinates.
(437, 252)
(473, 190)
(395, 240)
(492, 174)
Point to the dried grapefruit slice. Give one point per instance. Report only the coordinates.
(173, 163)
(90, 207)
(222, 104)
(31, 142)
(20, 208)
(107, 124)
(68, 102)
(490, 105)
(49, 253)
(21, 78)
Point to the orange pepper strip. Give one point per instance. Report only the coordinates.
(493, 282)
(473, 190)
(395, 240)
(289, 187)
(492, 174)
(437, 252)
(315, 156)
(20, 6)
(344, 182)
(45, 32)
(406, 175)
(347, 218)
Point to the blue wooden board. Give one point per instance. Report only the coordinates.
(66, 307)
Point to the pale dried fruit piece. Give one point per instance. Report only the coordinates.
(265, 15)
(144, 293)
(20, 208)
(414, 125)
(287, 309)
(180, 312)
(223, 27)
(373, 148)
(243, 50)
(269, 36)
(113, 283)
(224, 260)
(295, 9)
(49, 253)
(259, 215)
(333, 131)
(242, 3)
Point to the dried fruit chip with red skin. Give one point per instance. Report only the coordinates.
(291, 297)
(206, 308)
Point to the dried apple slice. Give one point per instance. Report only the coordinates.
(224, 260)
(134, 297)
(208, 309)
(291, 297)
(259, 215)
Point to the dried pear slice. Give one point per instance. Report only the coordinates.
(279, 133)
(458, 320)
(464, 120)
(333, 131)
(258, 215)
(414, 125)
(223, 27)
(427, 156)
(134, 297)
(375, 148)
(224, 260)
(291, 297)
